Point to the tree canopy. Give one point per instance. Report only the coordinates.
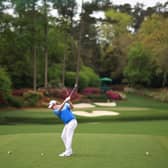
(34, 44)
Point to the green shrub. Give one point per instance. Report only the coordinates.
(83, 80)
(139, 67)
(87, 77)
(55, 74)
(14, 101)
(54, 83)
(161, 95)
(5, 83)
(97, 98)
(31, 98)
(164, 96)
(70, 78)
(92, 77)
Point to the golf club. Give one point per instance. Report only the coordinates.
(73, 90)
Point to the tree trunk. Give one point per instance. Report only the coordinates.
(45, 45)
(34, 69)
(164, 79)
(79, 48)
(34, 50)
(63, 69)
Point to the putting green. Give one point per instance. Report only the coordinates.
(99, 150)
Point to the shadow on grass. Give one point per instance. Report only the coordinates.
(30, 120)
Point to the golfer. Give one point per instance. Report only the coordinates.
(63, 111)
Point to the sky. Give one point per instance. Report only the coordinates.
(147, 3)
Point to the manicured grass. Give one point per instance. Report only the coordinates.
(134, 100)
(135, 108)
(91, 150)
(114, 141)
(129, 127)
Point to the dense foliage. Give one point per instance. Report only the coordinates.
(139, 67)
(5, 83)
(38, 49)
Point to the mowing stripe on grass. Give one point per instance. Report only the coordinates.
(89, 126)
(98, 150)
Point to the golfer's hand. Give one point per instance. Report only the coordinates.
(67, 99)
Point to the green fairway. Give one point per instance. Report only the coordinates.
(83, 84)
(112, 141)
(118, 144)
(100, 150)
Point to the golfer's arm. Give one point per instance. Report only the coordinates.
(62, 105)
(71, 105)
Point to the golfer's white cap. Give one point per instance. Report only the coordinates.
(51, 103)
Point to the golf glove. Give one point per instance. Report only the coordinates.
(67, 99)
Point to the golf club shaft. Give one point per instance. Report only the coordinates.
(73, 90)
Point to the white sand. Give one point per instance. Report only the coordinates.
(108, 104)
(96, 113)
(83, 105)
(87, 105)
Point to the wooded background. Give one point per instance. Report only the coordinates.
(129, 45)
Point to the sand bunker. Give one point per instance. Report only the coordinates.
(96, 113)
(87, 105)
(83, 105)
(132, 108)
(110, 104)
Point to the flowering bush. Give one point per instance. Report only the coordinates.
(31, 98)
(113, 95)
(66, 92)
(53, 92)
(19, 92)
(2, 100)
(91, 90)
(10, 100)
(62, 93)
